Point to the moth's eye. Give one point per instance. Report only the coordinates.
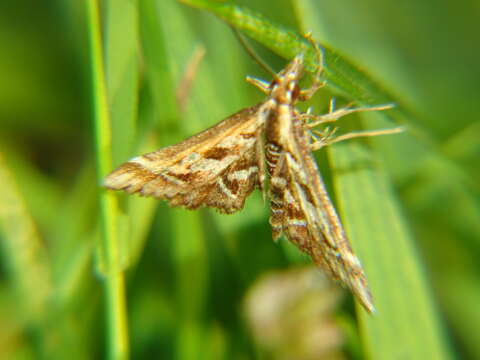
(296, 91)
(274, 82)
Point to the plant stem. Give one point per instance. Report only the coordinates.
(114, 278)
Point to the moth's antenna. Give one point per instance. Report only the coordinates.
(251, 52)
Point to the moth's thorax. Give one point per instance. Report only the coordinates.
(284, 93)
(284, 87)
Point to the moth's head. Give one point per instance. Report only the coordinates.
(285, 83)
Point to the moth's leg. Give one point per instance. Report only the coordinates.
(250, 51)
(306, 94)
(260, 158)
(321, 138)
(260, 84)
(183, 88)
(333, 115)
(328, 137)
(261, 117)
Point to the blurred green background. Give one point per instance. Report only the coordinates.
(188, 275)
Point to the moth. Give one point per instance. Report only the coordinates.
(222, 165)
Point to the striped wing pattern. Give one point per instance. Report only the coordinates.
(218, 167)
(221, 166)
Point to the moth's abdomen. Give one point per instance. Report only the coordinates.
(272, 153)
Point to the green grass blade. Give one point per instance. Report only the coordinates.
(339, 72)
(24, 252)
(122, 78)
(166, 62)
(189, 255)
(121, 64)
(114, 278)
(406, 325)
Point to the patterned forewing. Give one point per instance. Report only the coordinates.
(287, 216)
(217, 167)
(221, 166)
(329, 246)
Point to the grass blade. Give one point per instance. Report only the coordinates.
(114, 278)
(406, 325)
(23, 251)
(339, 72)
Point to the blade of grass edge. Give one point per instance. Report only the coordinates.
(406, 324)
(122, 77)
(338, 71)
(165, 61)
(25, 256)
(114, 282)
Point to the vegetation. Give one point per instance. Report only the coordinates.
(87, 273)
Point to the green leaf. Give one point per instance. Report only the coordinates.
(338, 71)
(406, 324)
(23, 251)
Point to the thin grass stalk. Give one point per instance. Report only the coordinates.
(114, 282)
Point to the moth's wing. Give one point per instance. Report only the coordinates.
(287, 216)
(218, 167)
(302, 210)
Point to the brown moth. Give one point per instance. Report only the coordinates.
(222, 165)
